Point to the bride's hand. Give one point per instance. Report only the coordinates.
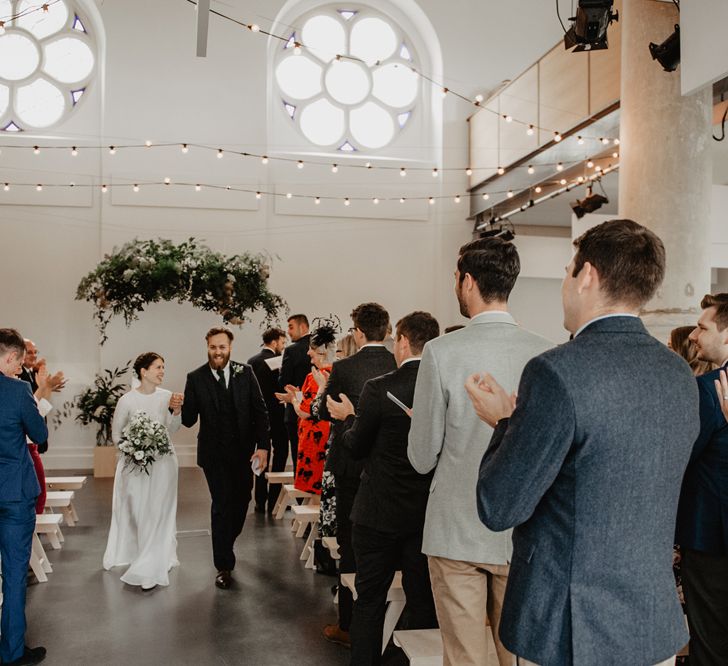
(175, 403)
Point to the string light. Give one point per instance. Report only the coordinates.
(335, 168)
(444, 92)
(560, 166)
(605, 141)
(479, 99)
(468, 172)
(44, 7)
(401, 200)
(317, 200)
(220, 153)
(135, 188)
(148, 143)
(434, 173)
(537, 189)
(531, 170)
(501, 171)
(431, 201)
(254, 27)
(375, 200)
(167, 181)
(457, 198)
(258, 195)
(185, 148)
(296, 48)
(616, 142)
(615, 155)
(36, 150)
(300, 164)
(580, 140)
(510, 194)
(39, 187)
(104, 189)
(368, 165)
(6, 187)
(508, 119)
(486, 196)
(589, 164)
(557, 137)
(198, 187)
(74, 151)
(112, 150)
(346, 201)
(530, 130)
(403, 172)
(563, 181)
(288, 195)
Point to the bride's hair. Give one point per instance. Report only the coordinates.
(143, 361)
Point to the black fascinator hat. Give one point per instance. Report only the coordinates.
(325, 330)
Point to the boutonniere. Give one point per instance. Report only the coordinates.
(237, 369)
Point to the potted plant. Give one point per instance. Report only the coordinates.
(95, 406)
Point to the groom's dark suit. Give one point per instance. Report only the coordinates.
(233, 421)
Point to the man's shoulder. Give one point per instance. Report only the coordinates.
(13, 385)
(198, 372)
(456, 340)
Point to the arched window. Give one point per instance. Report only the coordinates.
(344, 82)
(48, 58)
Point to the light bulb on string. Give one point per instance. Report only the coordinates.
(264, 159)
(531, 170)
(254, 27)
(198, 187)
(537, 189)
(44, 7)
(530, 130)
(36, 150)
(296, 48)
(347, 202)
(135, 188)
(74, 151)
(509, 194)
(112, 150)
(508, 119)
(220, 153)
(616, 142)
(560, 166)
(288, 195)
(605, 141)
(434, 173)
(368, 165)
(401, 200)
(557, 137)
(167, 180)
(334, 168)
(6, 187)
(300, 164)
(486, 196)
(478, 99)
(615, 155)
(317, 200)
(403, 172)
(258, 195)
(2, 27)
(589, 164)
(431, 201)
(563, 181)
(501, 171)
(38, 188)
(185, 148)
(580, 140)
(375, 200)
(457, 198)
(580, 179)
(104, 189)
(444, 92)
(148, 143)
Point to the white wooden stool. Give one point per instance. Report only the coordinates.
(50, 525)
(307, 514)
(423, 647)
(39, 561)
(290, 495)
(333, 545)
(63, 500)
(395, 602)
(65, 482)
(276, 478)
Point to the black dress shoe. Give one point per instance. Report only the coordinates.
(30, 656)
(223, 580)
(260, 508)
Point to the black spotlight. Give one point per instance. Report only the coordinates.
(588, 31)
(588, 204)
(498, 231)
(668, 53)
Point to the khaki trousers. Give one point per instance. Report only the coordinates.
(466, 593)
(667, 662)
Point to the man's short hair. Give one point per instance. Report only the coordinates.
(629, 258)
(494, 265)
(371, 319)
(273, 334)
(299, 319)
(11, 341)
(418, 327)
(720, 303)
(219, 330)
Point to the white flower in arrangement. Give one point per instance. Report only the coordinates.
(237, 369)
(99, 411)
(128, 274)
(139, 455)
(231, 278)
(143, 441)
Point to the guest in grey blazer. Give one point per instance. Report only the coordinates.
(468, 562)
(588, 469)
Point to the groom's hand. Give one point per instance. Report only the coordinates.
(262, 456)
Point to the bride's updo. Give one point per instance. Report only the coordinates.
(144, 361)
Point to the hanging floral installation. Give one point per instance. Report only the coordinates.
(149, 271)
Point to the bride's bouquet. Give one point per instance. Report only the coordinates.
(143, 441)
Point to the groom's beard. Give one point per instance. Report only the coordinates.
(218, 360)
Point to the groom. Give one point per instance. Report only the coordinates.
(233, 435)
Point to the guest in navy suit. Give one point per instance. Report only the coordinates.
(587, 469)
(702, 519)
(19, 420)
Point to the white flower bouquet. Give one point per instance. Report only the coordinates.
(143, 441)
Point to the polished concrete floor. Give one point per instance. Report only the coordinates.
(271, 617)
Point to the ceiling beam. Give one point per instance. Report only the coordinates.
(203, 23)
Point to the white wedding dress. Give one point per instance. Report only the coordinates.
(144, 513)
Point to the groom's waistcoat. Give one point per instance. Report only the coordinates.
(227, 423)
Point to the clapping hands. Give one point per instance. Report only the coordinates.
(490, 400)
(320, 377)
(340, 410)
(289, 396)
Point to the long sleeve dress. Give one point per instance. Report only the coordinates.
(144, 513)
(312, 438)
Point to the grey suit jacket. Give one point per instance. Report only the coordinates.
(447, 435)
(588, 471)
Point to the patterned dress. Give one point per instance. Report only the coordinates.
(312, 438)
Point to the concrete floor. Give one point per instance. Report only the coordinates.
(273, 615)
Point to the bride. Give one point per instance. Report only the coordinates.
(143, 518)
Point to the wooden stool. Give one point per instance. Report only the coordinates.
(39, 561)
(423, 647)
(50, 525)
(275, 478)
(65, 482)
(307, 515)
(288, 497)
(63, 500)
(333, 545)
(395, 602)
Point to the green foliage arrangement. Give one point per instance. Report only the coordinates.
(97, 403)
(149, 271)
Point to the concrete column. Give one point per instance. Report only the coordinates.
(665, 164)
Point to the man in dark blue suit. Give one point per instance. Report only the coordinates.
(702, 518)
(587, 469)
(19, 420)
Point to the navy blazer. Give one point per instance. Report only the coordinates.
(588, 470)
(392, 496)
(702, 517)
(19, 419)
(201, 400)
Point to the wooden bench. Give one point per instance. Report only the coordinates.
(395, 602)
(65, 482)
(288, 497)
(50, 525)
(39, 561)
(63, 500)
(276, 478)
(423, 647)
(307, 514)
(333, 545)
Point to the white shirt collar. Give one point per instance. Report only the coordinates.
(607, 316)
(371, 344)
(410, 359)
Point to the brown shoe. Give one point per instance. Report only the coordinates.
(223, 580)
(333, 633)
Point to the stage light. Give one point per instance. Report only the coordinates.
(667, 53)
(588, 204)
(588, 31)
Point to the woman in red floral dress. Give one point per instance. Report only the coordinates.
(312, 433)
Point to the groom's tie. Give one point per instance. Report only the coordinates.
(221, 379)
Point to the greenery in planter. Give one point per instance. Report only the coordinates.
(97, 403)
(150, 271)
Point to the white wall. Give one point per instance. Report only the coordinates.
(703, 43)
(156, 89)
